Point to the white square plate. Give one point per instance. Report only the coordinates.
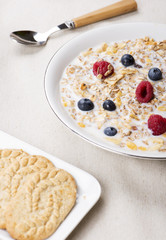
(89, 189)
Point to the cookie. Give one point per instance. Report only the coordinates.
(15, 173)
(41, 205)
(6, 158)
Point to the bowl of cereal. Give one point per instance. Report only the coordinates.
(110, 89)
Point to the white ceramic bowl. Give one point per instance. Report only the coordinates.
(71, 49)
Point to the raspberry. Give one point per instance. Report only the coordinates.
(104, 68)
(144, 92)
(157, 124)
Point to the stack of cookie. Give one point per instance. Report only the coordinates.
(35, 196)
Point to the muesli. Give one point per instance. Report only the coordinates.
(118, 92)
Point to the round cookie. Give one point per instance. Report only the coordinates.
(6, 158)
(14, 175)
(41, 205)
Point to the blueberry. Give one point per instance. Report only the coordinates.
(127, 60)
(109, 105)
(85, 104)
(110, 131)
(155, 74)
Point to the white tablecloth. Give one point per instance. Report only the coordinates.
(133, 201)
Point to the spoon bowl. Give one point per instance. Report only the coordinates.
(29, 37)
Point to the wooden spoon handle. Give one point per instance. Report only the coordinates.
(113, 10)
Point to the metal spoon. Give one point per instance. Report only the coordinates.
(28, 37)
(38, 39)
